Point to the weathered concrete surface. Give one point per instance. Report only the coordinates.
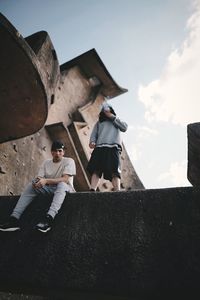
(33, 84)
(22, 158)
(23, 94)
(94, 69)
(138, 244)
(15, 296)
(193, 171)
(81, 131)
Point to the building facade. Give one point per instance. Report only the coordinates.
(66, 106)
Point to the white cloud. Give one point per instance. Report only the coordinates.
(143, 131)
(135, 146)
(135, 153)
(175, 96)
(176, 175)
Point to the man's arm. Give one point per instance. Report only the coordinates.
(51, 181)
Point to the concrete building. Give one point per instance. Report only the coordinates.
(44, 101)
(142, 244)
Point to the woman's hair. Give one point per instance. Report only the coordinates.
(103, 117)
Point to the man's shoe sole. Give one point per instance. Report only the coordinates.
(10, 229)
(43, 230)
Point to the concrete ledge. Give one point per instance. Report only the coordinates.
(125, 245)
(193, 172)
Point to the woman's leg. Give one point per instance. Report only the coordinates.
(94, 181)
(116, 183)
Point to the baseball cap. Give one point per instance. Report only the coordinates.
(57, 145)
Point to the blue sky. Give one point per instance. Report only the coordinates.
(150, 47)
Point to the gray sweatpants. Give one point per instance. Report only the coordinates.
(30, 193)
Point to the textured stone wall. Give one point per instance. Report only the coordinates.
(137, 244)
(19, 161)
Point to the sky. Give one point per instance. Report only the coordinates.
(150, 47)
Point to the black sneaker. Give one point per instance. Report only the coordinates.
(11, 225)
(45, 224)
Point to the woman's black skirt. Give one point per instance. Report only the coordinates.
(106, 161)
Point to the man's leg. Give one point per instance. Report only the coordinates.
(58, 199)
(25, 199)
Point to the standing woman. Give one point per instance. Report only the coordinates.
(106, 141)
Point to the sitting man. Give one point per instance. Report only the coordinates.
(55, 177)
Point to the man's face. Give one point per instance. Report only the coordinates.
(57, 154)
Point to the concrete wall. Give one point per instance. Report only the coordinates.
(90, 114)
(47, 94)
(48, 63)
(193, 170)
(73, 92)
(137, 245)
(20, 159)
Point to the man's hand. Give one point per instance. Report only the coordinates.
(40, 183)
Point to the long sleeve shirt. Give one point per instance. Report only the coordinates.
(107, 133)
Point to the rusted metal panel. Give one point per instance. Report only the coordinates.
(23, 97)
